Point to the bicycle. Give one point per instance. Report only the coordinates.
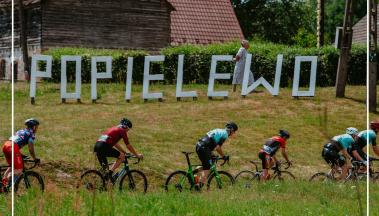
(28, 179)
(179, 180)
(131, 180)
(247, 177)
(353, 173)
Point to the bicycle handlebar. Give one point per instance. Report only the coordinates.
(26, 159)
(128, 156)
(373, 159)
(217, 158)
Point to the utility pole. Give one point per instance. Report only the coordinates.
(320, 22)
(347, 34)
(372, 56)
(23, 38)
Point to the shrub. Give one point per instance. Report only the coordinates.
(197, 63)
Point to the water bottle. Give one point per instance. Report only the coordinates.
(196, 177)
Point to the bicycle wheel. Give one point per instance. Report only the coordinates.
(29, 180)
(92, 180)
(178, 181)
(246, 178)
(321, 177)
(226, 180)
(284, 175)
(134, 181)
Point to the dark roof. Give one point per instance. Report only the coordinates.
(360, 29)
(8, 3)
(203, 22)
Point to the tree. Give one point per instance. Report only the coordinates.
(274, 20)
(23, 37)
(320, 22)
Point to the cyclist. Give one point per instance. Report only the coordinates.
(356, 150)
(213, 140)
(21, 138)
(340, 144)
(267, 153)
(107, 145)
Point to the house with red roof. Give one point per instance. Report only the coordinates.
(115, 24)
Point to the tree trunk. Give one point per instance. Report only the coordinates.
(372, 57)
(23, 38)
(320, 22)
(347, 35)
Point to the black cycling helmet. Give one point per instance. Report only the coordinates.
(126, 123)
(231, 125)
(284, 133)
(31, 122)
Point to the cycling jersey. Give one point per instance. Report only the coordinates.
(365, 135)
(273, 144)
(344, 141)
(23, 137)
(218, 136)
(113, 135)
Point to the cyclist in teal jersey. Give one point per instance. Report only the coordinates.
(335, 152)
(213, 140)
(356, 150)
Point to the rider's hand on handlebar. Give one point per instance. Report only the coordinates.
(364, 162)
(226, 158)
(140, 156)
(37, 161)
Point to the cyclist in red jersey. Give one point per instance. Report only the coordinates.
(107, 145)
(267, 153)
(20, 139)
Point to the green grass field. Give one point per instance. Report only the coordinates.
(162, 130)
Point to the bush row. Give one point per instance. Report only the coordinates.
(197, 63)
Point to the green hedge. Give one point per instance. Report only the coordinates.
(197, 62)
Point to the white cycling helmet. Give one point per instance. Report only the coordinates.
(351, 131)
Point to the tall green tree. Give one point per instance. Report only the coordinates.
(334, 13)
(288, 21)
(275, 20)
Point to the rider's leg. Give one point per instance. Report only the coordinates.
(120, 159)
(345, 169)
(204, 155)
(266, 162)
(203, 176)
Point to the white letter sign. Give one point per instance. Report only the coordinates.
(36, 73)
(262, 81)
(312, 84)
(99, 75)
(179, 81)
(213, 76)
(78, 78)
(147, 77)
(129, 76)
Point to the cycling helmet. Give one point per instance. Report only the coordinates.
(31, 122)
(374, 126)
(284, 133)
(126, 123)
(231, 125)
(351, 131)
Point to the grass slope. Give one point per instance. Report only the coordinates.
(162, 130)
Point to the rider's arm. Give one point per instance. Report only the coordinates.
(347, 156)
(31, 149)
(357, 156)
(118, 147)
(285, 155)
(376, 150)
(219, 150)
(131, 149)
